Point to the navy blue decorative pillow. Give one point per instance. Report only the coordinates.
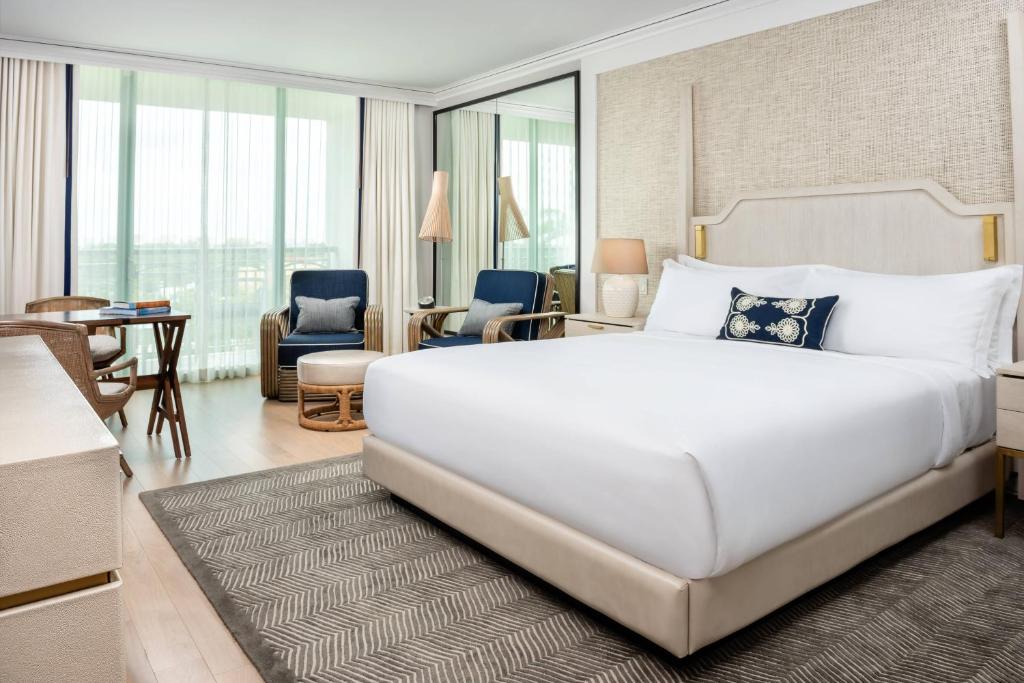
(800, 323)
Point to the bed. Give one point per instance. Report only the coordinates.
(694, 486)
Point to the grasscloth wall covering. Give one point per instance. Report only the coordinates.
(896, 89)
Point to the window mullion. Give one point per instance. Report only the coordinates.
(202, 302)
(126, 185)
(534, 240)
(280, 151)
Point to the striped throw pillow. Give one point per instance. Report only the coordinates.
(325, 315)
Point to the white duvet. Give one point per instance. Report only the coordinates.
(691, 454)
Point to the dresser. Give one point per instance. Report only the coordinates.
(580, 324)
(60, 526)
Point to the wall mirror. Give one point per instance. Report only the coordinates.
(517, 150)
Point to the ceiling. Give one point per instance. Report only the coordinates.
(419, 44)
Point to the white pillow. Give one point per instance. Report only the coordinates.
(1000, 352)
(1000, 346)
(939, 317)
(698, 264)
(696, 301)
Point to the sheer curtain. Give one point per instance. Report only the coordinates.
(210, 193)
(471, 186)
(33, 166)
(540, 156)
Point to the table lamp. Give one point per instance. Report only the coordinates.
(620, 257)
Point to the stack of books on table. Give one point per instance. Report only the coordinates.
(126, 308)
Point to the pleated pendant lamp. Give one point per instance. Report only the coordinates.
(511, 224)
(437, 221)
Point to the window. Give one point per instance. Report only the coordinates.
(540, 157)
(210, 193)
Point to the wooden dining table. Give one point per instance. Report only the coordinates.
(168, 331)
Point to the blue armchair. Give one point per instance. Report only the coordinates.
(280, 348)
(534, 290)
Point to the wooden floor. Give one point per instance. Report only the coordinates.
(171, 630)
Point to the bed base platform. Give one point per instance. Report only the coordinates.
(679, 614)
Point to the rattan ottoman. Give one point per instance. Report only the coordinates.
(338, 374)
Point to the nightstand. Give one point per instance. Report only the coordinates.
(580, 324)
(1009, 429)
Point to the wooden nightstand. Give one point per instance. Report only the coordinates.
(1009, 430)
(580, 324)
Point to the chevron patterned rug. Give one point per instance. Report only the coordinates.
(321, 576)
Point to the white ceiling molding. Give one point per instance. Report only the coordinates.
(570, 55)
(546, 65)
(31, 48)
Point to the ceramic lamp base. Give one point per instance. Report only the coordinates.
(620, 296)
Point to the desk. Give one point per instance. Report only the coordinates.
(168, 331)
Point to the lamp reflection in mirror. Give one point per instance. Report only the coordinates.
(511, 224)
(437, 221)
(620, 257)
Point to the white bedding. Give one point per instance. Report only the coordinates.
(691, 454)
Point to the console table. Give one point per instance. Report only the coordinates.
(60, 526)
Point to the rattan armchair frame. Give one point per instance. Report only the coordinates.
(274, 326)
(496, 329)
(565, 285)
(429, 323)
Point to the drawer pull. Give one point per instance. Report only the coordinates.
(595, 326)
(58, 589)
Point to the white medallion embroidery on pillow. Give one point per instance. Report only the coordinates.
(791, 306)
(786, 330)
(748, 301)
(741, 326)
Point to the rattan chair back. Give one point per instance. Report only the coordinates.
(65, 303)
(69, 344)
(565, 285)
(70, 303)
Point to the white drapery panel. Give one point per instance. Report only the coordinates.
(540, 156)
(210, 193)
(388, 243)
(33, 170)
(471, 197)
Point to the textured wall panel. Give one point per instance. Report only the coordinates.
(896, 89)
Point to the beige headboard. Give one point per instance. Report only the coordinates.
(908, 227)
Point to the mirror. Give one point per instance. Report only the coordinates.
(513, 190)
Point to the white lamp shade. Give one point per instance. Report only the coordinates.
(437, 221)
(620, 256)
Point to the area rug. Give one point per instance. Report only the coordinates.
(322, 576)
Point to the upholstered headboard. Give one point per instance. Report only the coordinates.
(907, 227)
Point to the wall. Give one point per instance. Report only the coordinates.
(716, 22)
(895, 89)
